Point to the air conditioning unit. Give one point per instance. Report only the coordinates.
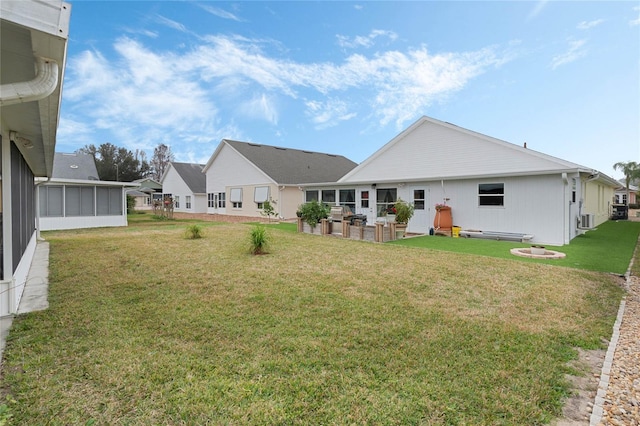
(587, 221)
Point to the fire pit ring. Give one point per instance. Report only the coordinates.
(548, 254)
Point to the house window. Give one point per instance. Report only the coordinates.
(386, 198)
(418, 199)
(348, 199)
(236, 198)
(491, 194)
(311, 196)
(236, 204)
(260, 206)
(260, 195)
(187, 201)
(328, 196)
(51, 201)
(176, 202)
(364, 199)
(211, 200)
(573, 190)
(222, 200)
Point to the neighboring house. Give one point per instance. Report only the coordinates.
(33, 54)
(241, 176)
(490, 184)
(148, 191)
(621, 194)
(75, 198)
(185, 184)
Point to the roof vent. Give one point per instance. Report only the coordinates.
(74, 166)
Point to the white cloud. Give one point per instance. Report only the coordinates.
(261, 107)
(220, 13)
(329, 113)
(364, 41)
(146, 97)
(586, 25)
(575, 52)
(142, 97)
(537, 9)
(171, 23)
(636, 21)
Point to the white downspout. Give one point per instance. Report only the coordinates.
(40, 87)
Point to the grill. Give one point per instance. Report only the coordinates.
(339, 214)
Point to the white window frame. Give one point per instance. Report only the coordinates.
(483, 197)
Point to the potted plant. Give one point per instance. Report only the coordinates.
(312, 212)
(404, 212)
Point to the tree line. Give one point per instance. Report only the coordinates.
(119, 164)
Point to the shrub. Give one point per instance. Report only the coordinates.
(404, 211)
(131, 204)
(194, 232)
(313, 211)
(259, 240)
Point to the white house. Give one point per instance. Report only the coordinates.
(185, 183)
(491, 185)
(33, 54)
(621, 194)
(241, 176)
(148, 191)
(75, 198)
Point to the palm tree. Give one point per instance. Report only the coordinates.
(631, 171)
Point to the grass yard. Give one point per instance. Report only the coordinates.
(606, 249)
(148, 327)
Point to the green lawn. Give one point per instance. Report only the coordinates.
(609, 248)
(148, 327)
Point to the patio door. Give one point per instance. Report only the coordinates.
(420, 199)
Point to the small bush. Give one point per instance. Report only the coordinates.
(131, 204)
(194, 232)
(313, 211)
(259, 240)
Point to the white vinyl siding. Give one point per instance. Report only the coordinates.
(431, 143)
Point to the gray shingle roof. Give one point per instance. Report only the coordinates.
(192, 175)
(74, 166)
(289, 166)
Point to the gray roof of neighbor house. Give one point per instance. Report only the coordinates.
(74, 166)
(149, 183)
(294, 166)
(192, 175)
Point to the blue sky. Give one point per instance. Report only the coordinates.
(347, 77)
